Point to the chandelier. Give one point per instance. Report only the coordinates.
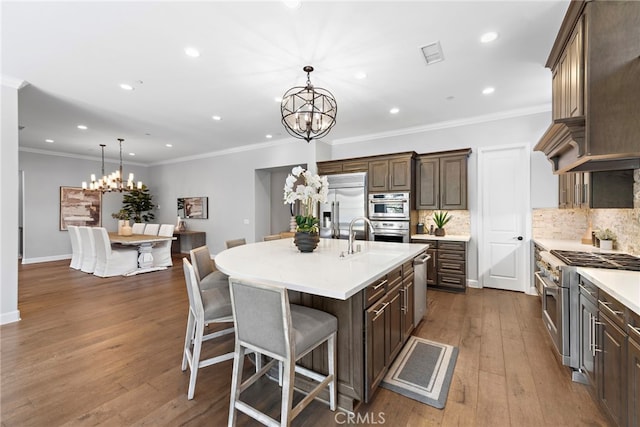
(308, 112)
(112, 182)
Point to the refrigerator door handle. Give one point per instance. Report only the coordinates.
(337, 220)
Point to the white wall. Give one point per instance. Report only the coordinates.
(44, 174)
(9, 210)
(230, 182)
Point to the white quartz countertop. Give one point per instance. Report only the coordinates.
(568, 245)
(622, 285)
(322, 272)
(451, 238)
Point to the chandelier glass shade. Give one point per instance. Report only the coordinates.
(114, 181)
(308, 112)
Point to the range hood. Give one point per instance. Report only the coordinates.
(565, 145)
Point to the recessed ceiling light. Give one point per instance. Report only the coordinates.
(488, 90)
(50, 141)
(360, 75)
(278, 99)
(216, 118)
(489, 37)
(192, 52)
(268, 136)
(82, 127)
(450, 98)
(168, 145)
(132, 154)
(292, 4)
(394, 110)
(126, 86)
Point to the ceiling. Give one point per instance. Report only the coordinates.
(75, 55)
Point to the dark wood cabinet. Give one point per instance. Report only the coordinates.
(409, 303)
(633, 372)
(333, 167)
(391, 173)
(588, 316)
(432, 264)
(395, 299)
(441, 180)
(605, 189)
(447, 267)
(187, 240)
(612, 370)
(568, 78)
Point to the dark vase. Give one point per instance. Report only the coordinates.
(439, 232)
(306, 241)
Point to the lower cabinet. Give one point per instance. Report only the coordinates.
(447, 268)
(633, 369)
(588, 316)
(611, 370)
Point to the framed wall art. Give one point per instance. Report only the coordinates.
(80, 207)
(193, 207)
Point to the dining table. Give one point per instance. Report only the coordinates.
(145, 243)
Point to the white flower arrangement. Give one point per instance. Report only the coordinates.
(310, 189)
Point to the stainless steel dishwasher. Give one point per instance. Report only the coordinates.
(420, 286)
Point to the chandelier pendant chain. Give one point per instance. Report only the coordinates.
(115, 181)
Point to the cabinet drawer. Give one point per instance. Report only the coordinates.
(451, 266)
(374, 291)
(612, 308)
(451, 246)
(589, 290)
(633, 325)
(394, 277)
(407, 268)
(452, 280)
(452, 256)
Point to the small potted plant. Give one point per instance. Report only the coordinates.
(606, 238)
(123, 218)
(441, 219)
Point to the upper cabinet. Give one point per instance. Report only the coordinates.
(596, 81)
(391, 173)
(604, 189)
(343, 166)
(441, 180)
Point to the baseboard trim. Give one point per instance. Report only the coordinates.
(45, 259)
(473, 284)
(10, 317)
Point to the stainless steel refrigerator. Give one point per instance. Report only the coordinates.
(347, 200)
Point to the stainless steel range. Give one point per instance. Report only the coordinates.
(557, 278)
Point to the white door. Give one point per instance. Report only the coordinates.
(504, 205)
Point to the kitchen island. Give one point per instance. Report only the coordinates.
(367, 291)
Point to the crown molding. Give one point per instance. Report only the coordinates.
(77, 156)
(13, 82)
(447, 124)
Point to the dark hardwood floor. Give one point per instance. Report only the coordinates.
(93, 351)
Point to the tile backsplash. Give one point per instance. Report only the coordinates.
(571, 224)
(460, 223)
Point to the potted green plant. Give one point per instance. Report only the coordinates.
(441, 219)
(606, 238)
(138, 203)
(310, 189)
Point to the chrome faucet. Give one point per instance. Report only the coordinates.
(352, 234)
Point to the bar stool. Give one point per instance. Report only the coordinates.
(210, 306)
(266, 323)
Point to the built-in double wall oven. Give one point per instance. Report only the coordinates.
(389, 213)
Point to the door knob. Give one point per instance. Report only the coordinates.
(519, 237)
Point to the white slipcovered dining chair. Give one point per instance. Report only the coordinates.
(138, 228)
(112, 262)
(88, 249)
(151, 229)
(235, 242)
(205, 307)
(162, 250)
(206, 274)
(266, 323)
(76, 247)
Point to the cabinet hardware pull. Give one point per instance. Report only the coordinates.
(378, 312)
(379, 285)
(587, 291)
(605, 304)
(633, 328)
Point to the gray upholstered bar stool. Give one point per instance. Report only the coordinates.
(204, 267)
(205, 307)
(266, 323)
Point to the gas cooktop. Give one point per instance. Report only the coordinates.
(599, 260)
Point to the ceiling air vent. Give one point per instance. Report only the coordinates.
(432, 53)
